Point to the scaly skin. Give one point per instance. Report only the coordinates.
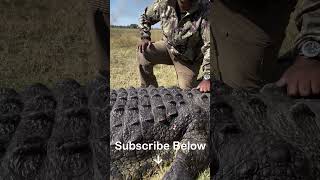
(158, 114)
(63, 133)
(264, 136)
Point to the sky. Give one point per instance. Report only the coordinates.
(126, 12)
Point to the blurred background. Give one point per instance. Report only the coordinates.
(44, 41)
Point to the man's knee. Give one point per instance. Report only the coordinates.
(187, 84)
(186, 81)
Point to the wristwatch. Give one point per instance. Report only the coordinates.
(310, 49)
(206, 77)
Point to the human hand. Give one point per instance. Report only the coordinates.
(302, 78)
(204, 86)
(143, 44)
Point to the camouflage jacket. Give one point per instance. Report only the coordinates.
(308, 22)
(187, 38)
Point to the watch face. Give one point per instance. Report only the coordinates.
(311, 49)
(206, 77)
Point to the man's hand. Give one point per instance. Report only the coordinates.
(302, 78)
(204, 86)
(142, 46)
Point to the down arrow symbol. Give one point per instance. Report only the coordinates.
(158, 160)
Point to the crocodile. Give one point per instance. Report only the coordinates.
(165, 115)
(264, 135)
(65, 132)
(70, 132)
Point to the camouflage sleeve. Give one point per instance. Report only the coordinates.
(205, 49)
(150, 17)
(308, 22)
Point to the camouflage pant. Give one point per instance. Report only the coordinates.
(159, 54)
(247, 43)
(98, 23)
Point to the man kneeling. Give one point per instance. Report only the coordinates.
(185, 43)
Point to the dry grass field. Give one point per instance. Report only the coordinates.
(124, 66)
(44, 41)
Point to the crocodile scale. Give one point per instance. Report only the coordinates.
(70, 131)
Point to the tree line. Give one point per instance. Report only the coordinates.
(131, 26)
